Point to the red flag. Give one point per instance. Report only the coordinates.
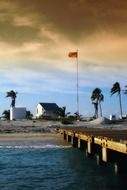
(73, 54)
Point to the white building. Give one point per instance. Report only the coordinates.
(17, 113)
(46, 109)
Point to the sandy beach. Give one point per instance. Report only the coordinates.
(42, 130)
(30, 136)
(30, 130)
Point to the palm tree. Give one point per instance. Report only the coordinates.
(117, 89)
(12, 94)
(62, 112)
(125, 90)
(101, 99)
(97, 97)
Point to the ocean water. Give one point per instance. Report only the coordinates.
(47, 166)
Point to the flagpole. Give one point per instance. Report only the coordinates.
(77, 86)
(75, 55)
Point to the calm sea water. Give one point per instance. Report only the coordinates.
(44, 166)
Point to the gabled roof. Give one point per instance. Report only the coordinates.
(49, 106)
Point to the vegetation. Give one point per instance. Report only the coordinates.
(67, 121)
(12, 94)
(116, 89)
(29, 115)
(62, 112)
(125, 90)
(97, 97)
(6, 114)
(77, 116)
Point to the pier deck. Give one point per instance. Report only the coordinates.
(109, 144)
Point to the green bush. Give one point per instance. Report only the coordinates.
(67, 121)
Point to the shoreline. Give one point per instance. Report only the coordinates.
(30, 136)
(36, 130)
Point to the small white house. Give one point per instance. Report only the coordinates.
(17, 113)
(46, 109)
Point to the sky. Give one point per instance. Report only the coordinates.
(35, 39)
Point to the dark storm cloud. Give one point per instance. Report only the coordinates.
(73, 18)
(81, 16)
(16, 35)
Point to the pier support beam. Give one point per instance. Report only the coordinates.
(104, 154)
(100, 160)
(74, 141)
(90, 146)
(69, 138)
(65, 136)
(79, 143)
(104, 150)
(120, 165)
(120, 168)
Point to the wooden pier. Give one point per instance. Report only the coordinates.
(108, 145)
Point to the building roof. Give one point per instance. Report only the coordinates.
(49, 106)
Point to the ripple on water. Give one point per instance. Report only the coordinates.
(52, 167)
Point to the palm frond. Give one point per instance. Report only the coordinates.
(125, 90)
(97, 95)
(115, 89)
(11, 94)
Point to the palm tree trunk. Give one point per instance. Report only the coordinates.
(100, 109)
(96, 109)
(120, 105)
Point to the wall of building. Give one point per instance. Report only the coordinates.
(17, 113)
(39, 111)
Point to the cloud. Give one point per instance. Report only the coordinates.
(100, 55)
(74, 19)
(36, 37)
(23, 21)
